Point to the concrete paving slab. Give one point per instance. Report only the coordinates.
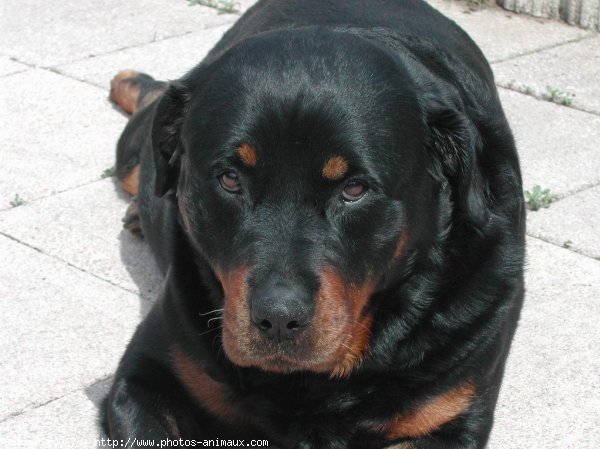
(169, 59)
(502, 34)
(572, 71)
(76, 29)
(56, 134)
(9, 66)
(51, 425)
(62, 328)
(165, 60)
(83, 227)
(572, 222)
(558, 146)
(551, 394)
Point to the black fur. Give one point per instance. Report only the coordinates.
(409, 101)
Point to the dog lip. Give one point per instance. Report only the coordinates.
(281, 358)
(280, 363)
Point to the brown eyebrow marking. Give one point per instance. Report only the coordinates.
(335, 168)
(247, 154)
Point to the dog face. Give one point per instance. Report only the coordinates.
(300, 160)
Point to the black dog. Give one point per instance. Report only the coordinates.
(334, 195)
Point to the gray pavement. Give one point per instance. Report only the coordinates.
(74, 285)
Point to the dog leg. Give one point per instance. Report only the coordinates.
(134, 411)
(132, 90)
(149, 405)
(131, 220)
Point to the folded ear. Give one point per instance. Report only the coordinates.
(455, 144)
(166, 136)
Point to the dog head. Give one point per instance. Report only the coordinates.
(300, 159)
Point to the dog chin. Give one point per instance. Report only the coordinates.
(278, 360)
(287, 365)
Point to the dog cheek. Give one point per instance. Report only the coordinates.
(331, 316)
(236, 314)
(341, 320)
(359, 334)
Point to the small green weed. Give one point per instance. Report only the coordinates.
(553, 94)
(476, 4)
(17, 201)
(556, 95)
(527, 90)
(538, 198)
(523, 88)
(222, 6)
(109, 172)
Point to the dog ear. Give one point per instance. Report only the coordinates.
(455, 144)
(166, 139)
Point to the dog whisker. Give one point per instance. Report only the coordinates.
(216, 318)
(210, 330)
(211, 312)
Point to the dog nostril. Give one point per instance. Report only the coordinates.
(292, 325)
(265, 325)
(279, 311)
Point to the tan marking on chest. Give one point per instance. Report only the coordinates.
(335, 168)
(209, 393)
(432, 415)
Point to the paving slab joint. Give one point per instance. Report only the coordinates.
(142, 44)
(17, 413)
(68, 189)
(69, 264)
(560, 197)
(571, 250)
(540, 96)
(545, 48)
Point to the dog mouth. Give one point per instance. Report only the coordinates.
(284, 361)
(335, 342)
(248, 349)
(335, 350)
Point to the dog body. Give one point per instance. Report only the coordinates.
(334, 195)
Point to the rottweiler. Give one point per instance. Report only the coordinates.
(335, 198)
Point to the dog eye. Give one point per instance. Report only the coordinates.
(230, 181)
(354, 190)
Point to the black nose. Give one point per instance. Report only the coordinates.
(280, 311)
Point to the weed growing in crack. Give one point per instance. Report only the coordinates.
(538, 198)
(222, 6)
